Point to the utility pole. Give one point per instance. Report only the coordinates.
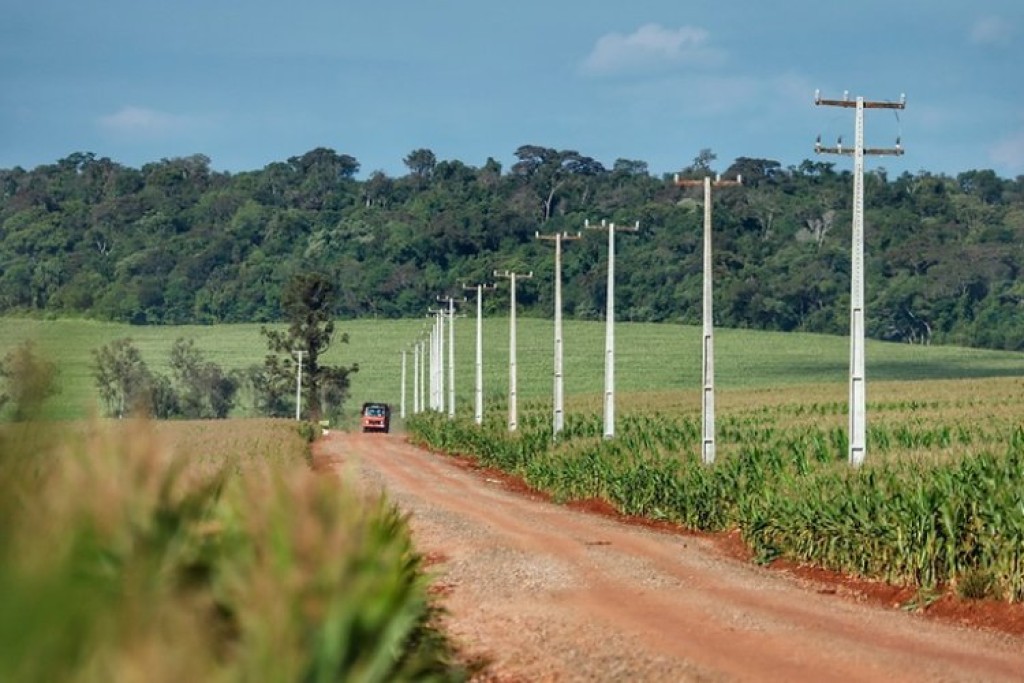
(707, 452)
(478, 404)
(858, 381)
(437, 366)
(450, 314)
(558, 418)
(416, 377)
(298, 385)
(513, 408)
(423, 373)
(401, 411)
(609, 334)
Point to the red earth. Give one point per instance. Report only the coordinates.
(534, 591)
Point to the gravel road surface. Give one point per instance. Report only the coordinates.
(540, 592)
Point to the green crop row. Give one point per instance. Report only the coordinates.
(939, 504)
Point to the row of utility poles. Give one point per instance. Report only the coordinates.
(857, 379)
(428, 371)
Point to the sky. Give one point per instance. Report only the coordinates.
(248, 83)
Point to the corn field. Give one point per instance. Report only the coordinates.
(938, 505)
(203, 551)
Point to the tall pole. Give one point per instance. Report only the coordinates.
(416, 377)
(478, 403)
(513, 408)
(401, 411)
(450, 314)
(423, 374)
(298, 386)
(707, 452)
(558, 416)
(437, 365)
(858, 380)
(609, 327)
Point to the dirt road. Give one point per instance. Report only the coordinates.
(545, 593)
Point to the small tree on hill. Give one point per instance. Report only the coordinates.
(308, 304)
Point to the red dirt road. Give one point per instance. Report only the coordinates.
(541, 592)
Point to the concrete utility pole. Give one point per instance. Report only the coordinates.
(609, 334)
(707, 452)
(450, 314)
(423, 373)
(401, 411)
(478, 404)
(858, 382)
(437, 364)
(513, 408)
(416, 377)
(298, 386)
(558, 418)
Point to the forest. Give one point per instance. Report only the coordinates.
(176, 242)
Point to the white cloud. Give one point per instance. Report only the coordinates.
(991, 31)
(1009, 152)
(650, 46)
(144, 122)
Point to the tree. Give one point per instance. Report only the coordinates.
(203, 389)
(29, 380)
(421, 162)
(308, 305)
(122, 377)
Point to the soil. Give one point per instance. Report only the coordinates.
(535, 591)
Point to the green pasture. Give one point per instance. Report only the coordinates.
(649, 357)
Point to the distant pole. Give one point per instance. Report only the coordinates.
(513, 408)
(858, 380)
(609, 328)
(478, 404)
(440, 361)
(450, 314)
(423, 374)
(432, 369)
(437, 367)
(298, 386)
(416, 377)
(707, 453)
(401, 411)
(558, 417)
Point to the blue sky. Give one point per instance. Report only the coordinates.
(251, 82)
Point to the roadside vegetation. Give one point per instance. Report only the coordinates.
(939, 504)
(200, 550)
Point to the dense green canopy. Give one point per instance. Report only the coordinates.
(176, 242)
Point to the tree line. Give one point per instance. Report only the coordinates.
(177, 242)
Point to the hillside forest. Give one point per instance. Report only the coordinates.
(176, 242)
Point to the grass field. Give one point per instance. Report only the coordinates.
(649, 358)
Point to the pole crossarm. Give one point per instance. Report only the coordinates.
(605, 225)
(699, 182)
(562, 236)
(866, 104)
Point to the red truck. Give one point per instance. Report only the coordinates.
(376, 417)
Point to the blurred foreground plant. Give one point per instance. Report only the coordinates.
(123, 559)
